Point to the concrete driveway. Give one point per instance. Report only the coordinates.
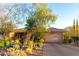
(53, 49)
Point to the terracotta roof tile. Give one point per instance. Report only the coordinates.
(20, 30)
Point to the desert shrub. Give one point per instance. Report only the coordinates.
(16, 52)
(7, 43)
(30, 47)
(2, 43)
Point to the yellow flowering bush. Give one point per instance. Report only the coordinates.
(30, 47)
(17, 41)
(16, 46)
(11, 51)
(25, 44)
(16, 52)
(20, 53)
(42, 40)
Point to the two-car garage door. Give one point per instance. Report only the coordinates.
(54, 38)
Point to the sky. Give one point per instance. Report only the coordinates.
(65, 12)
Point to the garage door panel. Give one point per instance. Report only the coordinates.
(54, 38)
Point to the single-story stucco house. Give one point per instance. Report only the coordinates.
(54, 35)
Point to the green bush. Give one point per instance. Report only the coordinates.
(2, 43)
(7, 43)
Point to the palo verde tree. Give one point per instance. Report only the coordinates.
(38, 19)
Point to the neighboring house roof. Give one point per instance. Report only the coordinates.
(55, 30)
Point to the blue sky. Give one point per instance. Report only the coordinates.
(66, 13)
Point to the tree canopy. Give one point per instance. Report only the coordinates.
(6, 25)
(39, 18)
